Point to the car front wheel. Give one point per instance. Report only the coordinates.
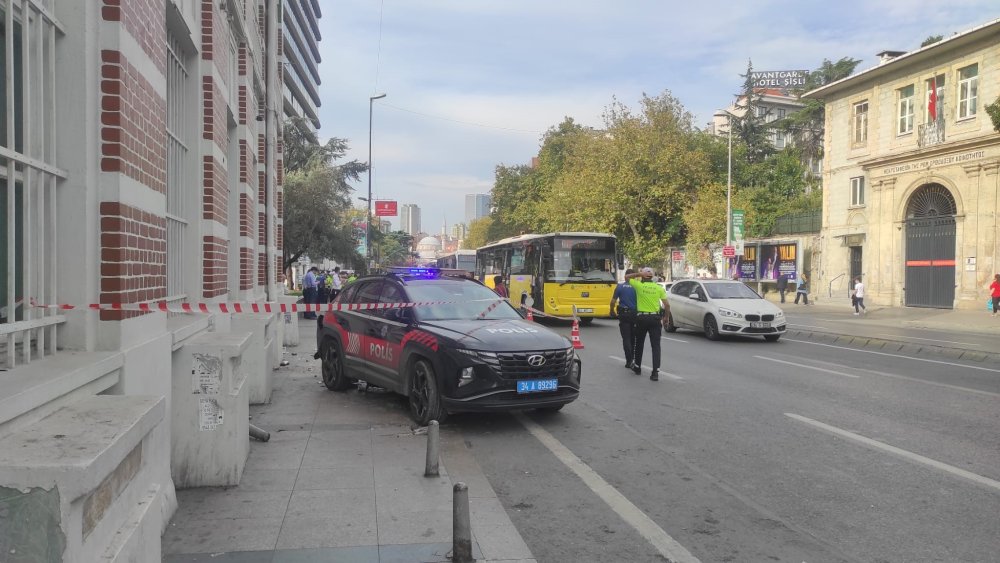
(334, 376)
(711, 328)
(425, 400)
(772, 337)
(670, 326)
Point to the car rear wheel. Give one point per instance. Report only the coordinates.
(586, 320)
(334, 376)
(711, 328)
(670, 326)
(772, 337)
(425, 400)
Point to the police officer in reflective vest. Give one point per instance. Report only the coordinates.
(651, 313)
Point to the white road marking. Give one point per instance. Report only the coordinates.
(630, 513)
(650, 370)
(976, 478)
(894, 355)
(674, 339)
(928, 339)
(808, 367)
(934, 383)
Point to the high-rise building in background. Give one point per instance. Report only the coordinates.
(459, 231)
(301, 58)
(476, 206)
(409, 219)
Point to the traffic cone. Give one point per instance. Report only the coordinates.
(530, 317)
(574, 335)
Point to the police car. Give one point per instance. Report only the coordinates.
(446, 342)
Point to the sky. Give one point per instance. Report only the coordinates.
(472, 84)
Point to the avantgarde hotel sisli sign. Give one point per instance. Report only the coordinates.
(779, 78)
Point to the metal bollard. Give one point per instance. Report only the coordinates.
(431, 466)
(461, 532)
(259, 433)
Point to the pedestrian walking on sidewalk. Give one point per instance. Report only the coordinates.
(858, 297)
(651, 312)
(995, 293)
(782, 286)
(624, 296)
(802, 289)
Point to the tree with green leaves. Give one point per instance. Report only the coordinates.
(317, 197)
(931, 39)
(750, 125)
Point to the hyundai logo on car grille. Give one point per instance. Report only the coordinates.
(536, 360)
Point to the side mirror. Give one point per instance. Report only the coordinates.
(694, 296)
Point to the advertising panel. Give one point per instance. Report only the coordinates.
(778, 259)
(385, 208)
(744, 267)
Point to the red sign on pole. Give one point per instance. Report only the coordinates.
(385, 209)
(728, 251)
(678, 255)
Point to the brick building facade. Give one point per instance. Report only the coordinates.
(140, 162)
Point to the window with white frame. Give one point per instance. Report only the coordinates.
(935, 98)
(857, 191)
(860, 117)
(29, 179)
(178, 164)
(968, 91)
(905, 122)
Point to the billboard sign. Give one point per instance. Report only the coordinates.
(677, 255)
(780, 79)
(737, 220)
(385, 209)
(743, 266)
(777, 260)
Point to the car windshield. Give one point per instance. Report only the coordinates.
(730, 291)
(464, 300)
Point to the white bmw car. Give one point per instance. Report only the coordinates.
(721, 307)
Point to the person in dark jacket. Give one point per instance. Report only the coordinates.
(782, 286)
(624, 295)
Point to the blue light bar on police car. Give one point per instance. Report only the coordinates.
(416, 272)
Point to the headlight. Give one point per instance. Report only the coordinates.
(466, 375)
(779, 314)
(730, 314)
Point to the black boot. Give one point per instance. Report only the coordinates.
(655, 376)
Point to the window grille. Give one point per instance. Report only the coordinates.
(178, 166)
(29, 178)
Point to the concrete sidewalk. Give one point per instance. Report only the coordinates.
(971, 334)
(340, 480)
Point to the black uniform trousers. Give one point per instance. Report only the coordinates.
(626, 325)
(648, 323)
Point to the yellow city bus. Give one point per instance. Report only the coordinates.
(554, 271)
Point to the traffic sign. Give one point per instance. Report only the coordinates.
(728, 251)
(677, 255)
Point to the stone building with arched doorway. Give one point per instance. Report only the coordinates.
(911, 185)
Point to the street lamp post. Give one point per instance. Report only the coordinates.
(368, 219)
(729, 179)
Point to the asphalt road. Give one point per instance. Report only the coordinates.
(752, 451)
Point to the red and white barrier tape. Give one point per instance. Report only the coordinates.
(544, 314)
(245, 307)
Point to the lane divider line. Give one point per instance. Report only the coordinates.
(674, 339)
(650, 370)
(630, 513)
(908, 455)
(806, 366)
(894, 355)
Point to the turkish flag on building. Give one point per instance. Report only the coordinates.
(932, 100)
